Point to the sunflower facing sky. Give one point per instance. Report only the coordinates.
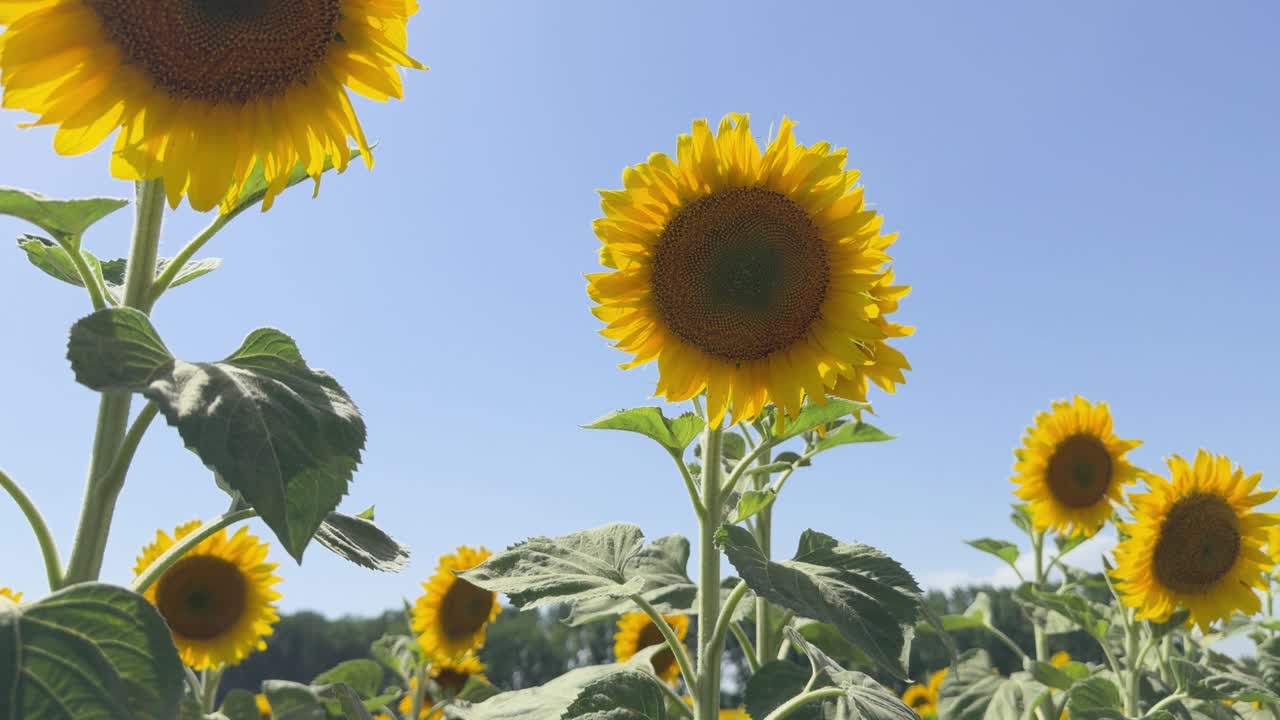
(204, 90)
(1071, 468)
(217, 599)
(451, 615)
(754, 276)
(637, 632)
(1196, 542)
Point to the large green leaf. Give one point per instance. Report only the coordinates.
(776, 682)
(813, 416)
(967, 691)
(53, 260)
(1095, 698)
(363, 543)
(240, 705)
(1003, 549)
(627, 695)
(595, 565)
(361, 675)
(398, 653)
(751, 503)
(868, 699)
(1212, 683)
(672, 434)
(867, 595)
(294, 701)
(283, 436)
(1081, 612)
(553, 700)
(853, 432)
(88, 652)
(64, 219)
(661, 565)
(113, 272)
(1017, 698)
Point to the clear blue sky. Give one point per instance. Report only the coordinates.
(1085, 193)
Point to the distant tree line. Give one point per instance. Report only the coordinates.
(525, 649)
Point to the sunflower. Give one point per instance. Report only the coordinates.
(734, 714)
(217, 599)
(1071, 467)
(1273, 545)
(406, 704)
(264, 706)
(920, 699)
(935, 682)
(1196, 541)
(757, 277)
(451, 616)
(453, 675)
(637, 632)
(202, 91)
(11, 594)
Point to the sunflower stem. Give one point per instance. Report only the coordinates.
(766, 637)
(90, 281)
(166, 278)
(708, 672)
(48, 548)
(184, 544)
(211, 679)
(673, 641)
(1133, 659)
(725, 620)
(803, 699)
(748, 650)
(103, 487)
(1042, 639)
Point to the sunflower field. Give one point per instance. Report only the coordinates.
(746, 269)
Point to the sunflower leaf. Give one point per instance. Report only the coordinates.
(780, 681)
(1002, 549)
(285, 437)
(776, 682)
(361, 675)
(88, 652)
(854, 432)
(63, 219)
(662, 565)
(813, 416)
(672, 434)
(294, 701)
(867, 595)
(54, 260)
(967, 691)
(629, 695)
(589, 565)
(239, 704)
(358, 540)
(1081, 612)
(1095, 698)
(397, 653)
(1017, 698)
(553, 699)
(752, 502)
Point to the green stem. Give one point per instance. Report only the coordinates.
(103, 488)
(677, 701)
(48, 548)
(690, 486)
(1172, 698)
(166, 278)
(1131, 640)
(1008, 641)
(673, 641)
(87, 277)
(1166, 668)
(803, 699)
(193, 682)
(725, 621)
(185, 543)
(766, 634)
(708, 687)
(1042, 639)
(212, 678)
(748, 650)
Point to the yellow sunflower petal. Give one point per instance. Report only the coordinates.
(187, 89)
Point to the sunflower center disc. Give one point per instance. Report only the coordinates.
(1080, 471)
(221, 51)
(465, 609)
(1198, 545)
(452, 680)
(202, 597)
(740, 274)
(649, 637)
